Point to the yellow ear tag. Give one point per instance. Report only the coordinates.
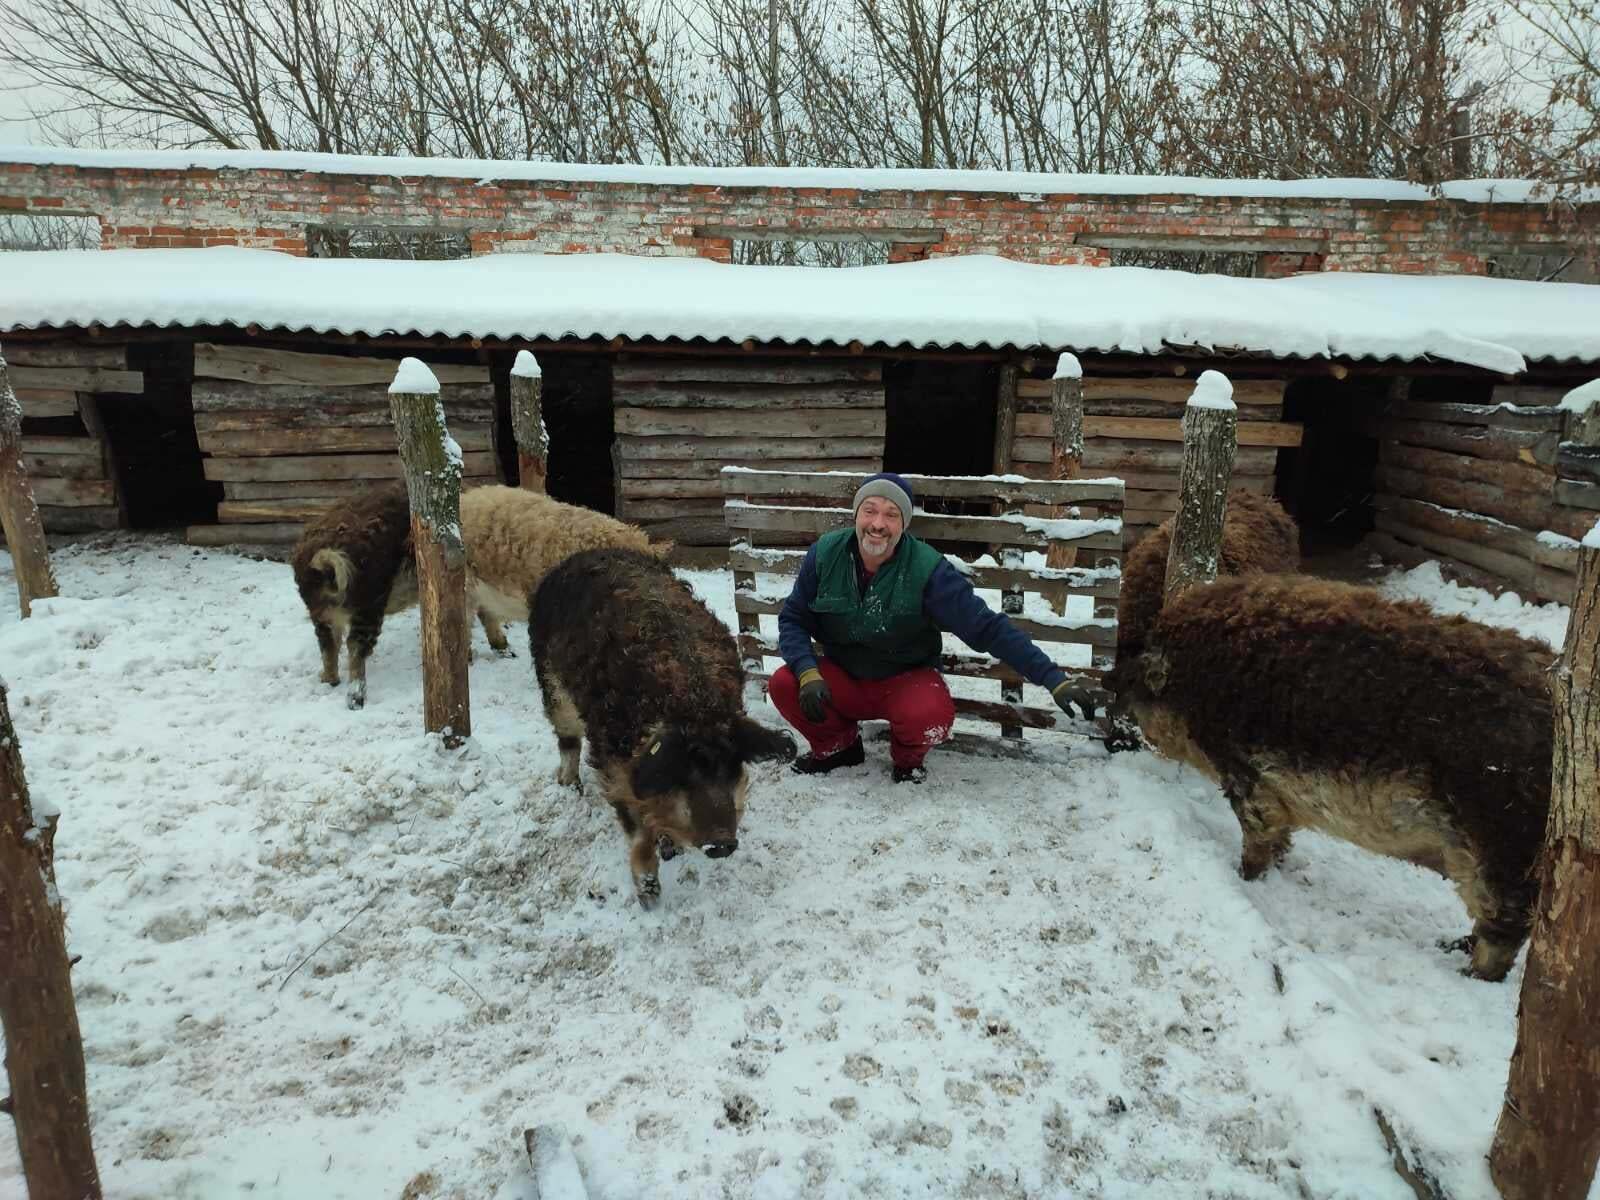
(655, 748)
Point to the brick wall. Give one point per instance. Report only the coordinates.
(271, 208)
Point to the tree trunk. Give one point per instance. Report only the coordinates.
(1210, 437)
(527, 423)
(44, 1050)
(1548, 1141)
(19, 515)
(433, 482)
(1066, 441)
(1583, 426)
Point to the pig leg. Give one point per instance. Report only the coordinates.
(642, 859)
(1500, 922)
(328, 643)
(563, 717)
(1261, 820)
(495, 632)
(364, 630)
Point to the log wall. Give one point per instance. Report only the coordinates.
(679, 422)
(1491, 491)
(288, 434)
(64, 443)
(1132, 429)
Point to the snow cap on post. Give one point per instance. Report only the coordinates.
(1068, 366)
(1212, 390)
(526, 366)
(413, 378)
(1591, 540)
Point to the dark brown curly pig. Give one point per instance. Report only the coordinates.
(1319, 705)
(626, 654)
(1258, 537)
(353, 565)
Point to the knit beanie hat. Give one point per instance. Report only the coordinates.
(891, 487)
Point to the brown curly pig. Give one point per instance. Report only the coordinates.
(627, 655)
(1320, 705)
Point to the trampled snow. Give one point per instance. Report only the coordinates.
(969, 300)
(1022, 183)
(323, 956)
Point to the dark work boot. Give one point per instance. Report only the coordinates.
(916, 774)
(852, 755)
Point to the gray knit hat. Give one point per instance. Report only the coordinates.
(891, 487)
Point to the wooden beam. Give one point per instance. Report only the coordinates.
(773, 423)
(46, 402)
(224, 395)
(1163, 429)
(713, 369)
(78, 379)
(66, 354)
(257, 364)
(328, 466)
(765, 396)
(272, 442)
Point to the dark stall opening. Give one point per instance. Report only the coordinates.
(154, 451)
(1328, 482)
(576, 405)
(939, 420)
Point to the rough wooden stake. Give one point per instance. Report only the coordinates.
(1547, 1142)
(19, 515)
(556, 1175)
(527, 423)
(1210, 437)
(1066, 444)
(44, 1050)
(1582, 406)
(433, 482)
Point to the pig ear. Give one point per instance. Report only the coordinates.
(757, 743)
(661, 765)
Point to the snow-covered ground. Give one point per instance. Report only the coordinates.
(325, 957)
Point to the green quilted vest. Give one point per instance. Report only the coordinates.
(883, 631)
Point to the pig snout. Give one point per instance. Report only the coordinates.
(720, 849)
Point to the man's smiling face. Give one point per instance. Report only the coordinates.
(878, 529)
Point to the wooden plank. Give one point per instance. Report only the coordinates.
(1103, 582)
(74, 493)
(67, 354)
(1578, 495)
(1504, 445)
(329, 466)
(1154, 481)
(1572, 461)
(45, 402)
(79, 447)
(1164, 388)
(1153, 408)
(785, 423)
(1159, 429)
(1530, 510)
(255, 364)
(758, 449)
(266, 511)
(1490, 415)
(1109, 456)
(78, 379)
(324, 416)
(1008, 531)
(633, 509)
(320, 489)
(331, 440)
(965, 666)
(65, 466)
(1097, 632)
(844, 484)
(221, 396)
(735, 396)
(1529, 578)
(769, 371)
(1511, 476)
(1391, 549)
(79, 518)
(243, 535)
(1530, 395)
(708, 468)
(1480, 530)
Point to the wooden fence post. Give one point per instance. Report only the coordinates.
(1582, 406)
(19, 515)
(527, 423)
(49, 1101)
(1066, 443)
(433, 481)
(1547, 1142)
(1210, 437)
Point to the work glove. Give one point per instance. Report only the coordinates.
(814, 696)
(1066, 694)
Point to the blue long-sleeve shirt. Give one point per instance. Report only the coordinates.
(948, 600)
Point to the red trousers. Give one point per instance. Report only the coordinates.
(916, 704)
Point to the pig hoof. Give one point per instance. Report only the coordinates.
(505, 652)
(330, 680)
(355, 701)
(648, 888)
(666, 848)
(1460, 945)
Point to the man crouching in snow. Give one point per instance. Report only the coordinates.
(877, 600)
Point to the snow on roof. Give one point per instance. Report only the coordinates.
(1023, 183)
(974, 300)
